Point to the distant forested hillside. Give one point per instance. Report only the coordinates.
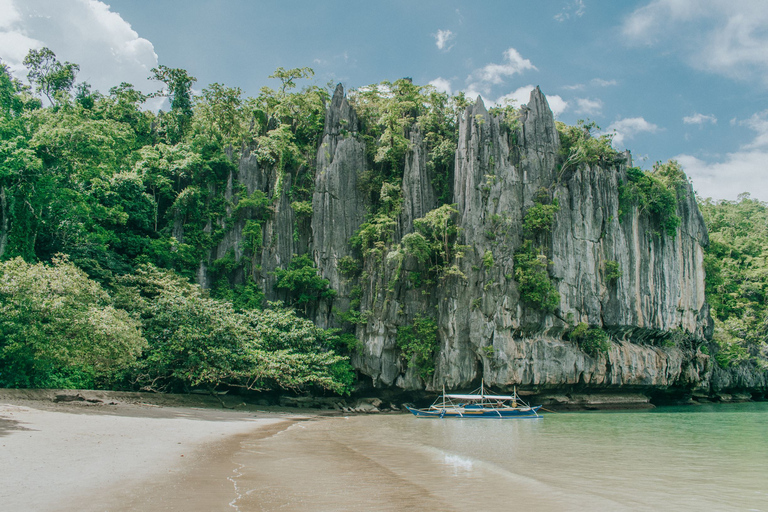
(737, 278)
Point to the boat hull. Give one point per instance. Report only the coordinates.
(460, 413)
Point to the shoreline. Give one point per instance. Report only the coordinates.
(130, 451)
(122, 454)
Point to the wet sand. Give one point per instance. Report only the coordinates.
(122, 454)
(165, 456)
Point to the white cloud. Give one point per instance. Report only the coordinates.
(699, 119)
(557, 104)
(724, 37)
(493, 74)
(85, 32)
(442, 38)
(595, 82)
(574, 9)
(442, 85)
(522, 95)
(8, 14)
(588, 107)
(742, 171)
(603, 83)
(627, 128)
(759, 123)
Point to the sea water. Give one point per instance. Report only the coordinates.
(706, 457)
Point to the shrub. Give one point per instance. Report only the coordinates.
(656, 193)
(612, 270)
(488, 259)
(418, 343)
(60, 329)
(539, 217)
(533, 280)
(302, 282)
(592, 341)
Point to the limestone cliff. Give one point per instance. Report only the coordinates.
(485, 330)
(655, 310)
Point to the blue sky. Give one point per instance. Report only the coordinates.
(683, 79)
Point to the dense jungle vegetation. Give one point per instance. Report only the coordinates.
(96, 290)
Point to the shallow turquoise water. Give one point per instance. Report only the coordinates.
(709, 457)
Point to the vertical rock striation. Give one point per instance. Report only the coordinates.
(485, 328)
(338, 206)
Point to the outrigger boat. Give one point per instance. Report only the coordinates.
(478, 404)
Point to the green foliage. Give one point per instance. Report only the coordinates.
(253, 238)
(195, 341)
(349, 266)
(258, 204)
(116, 187)
(418, 343)
(438, 228)
(579, 145)
(593, 341)
(244, 296)
(49, 76)
(177, 87)
(532, 276)
(374, 235)
(416, 245)
(302, 209)
(60, 329)
(302, 282)
(655, 193)
(730, 351)
(531, 264)
(389, 112)
(736, 265)
(220, 116)
(488, 260)
(510, 118)
(539, 218)
(612, 270)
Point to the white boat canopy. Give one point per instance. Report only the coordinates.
(481, 397)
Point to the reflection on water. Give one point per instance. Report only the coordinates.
(694, 458)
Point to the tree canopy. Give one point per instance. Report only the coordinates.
(109, 210)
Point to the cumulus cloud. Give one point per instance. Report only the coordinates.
(481, 79)
(574, 9)
(441, 84)
(85, 32)
(627, 128)
(759, 123)
(588, 106)
(522, 95)
(699, 119)
(724, 37)
(740, 171)
(442, 38)
(595, 82)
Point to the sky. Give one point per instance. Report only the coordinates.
(682, 79)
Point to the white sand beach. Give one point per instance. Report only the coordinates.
(120, 455)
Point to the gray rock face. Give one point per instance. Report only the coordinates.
(485, 330)
(418, 192)
(338, 206)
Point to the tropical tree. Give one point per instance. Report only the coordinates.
(51, 77)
